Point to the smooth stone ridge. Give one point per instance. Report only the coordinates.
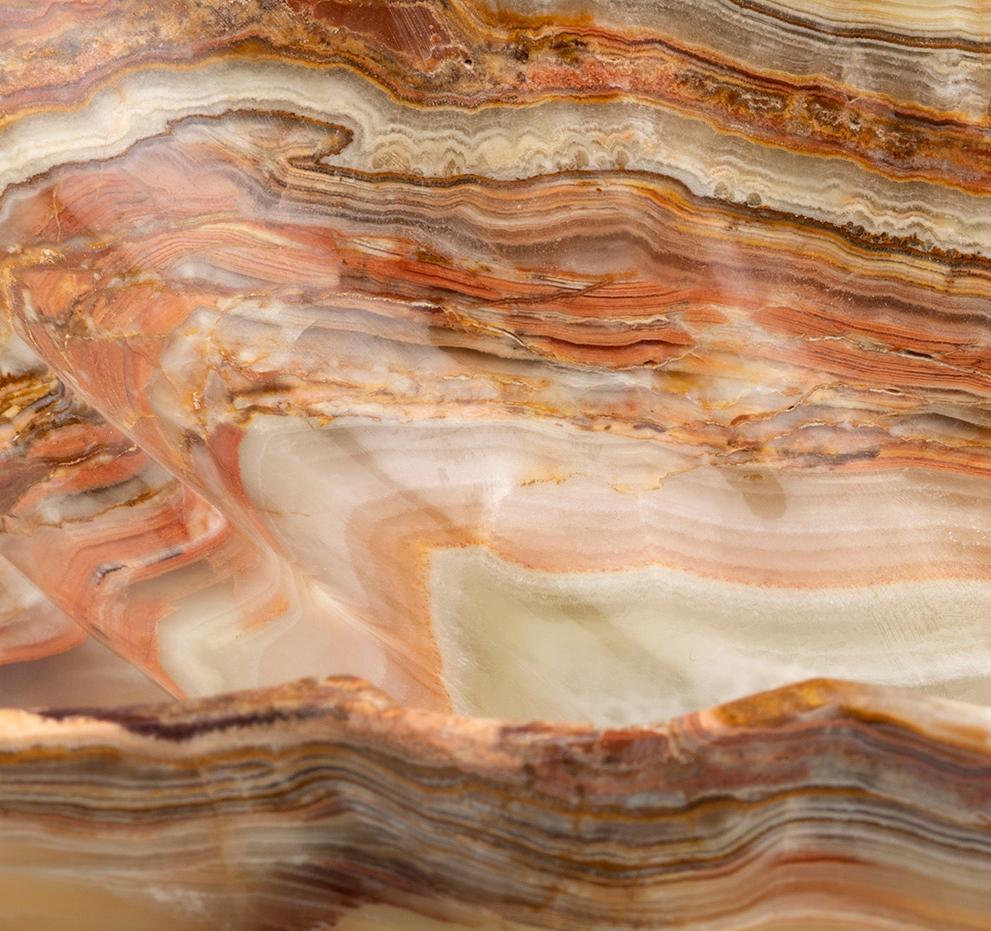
(595, 362)
(820, 806)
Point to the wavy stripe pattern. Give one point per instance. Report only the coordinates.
(824, 805)
(527, 359)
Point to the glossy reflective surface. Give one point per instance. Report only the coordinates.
(597, 363)
(822, 806)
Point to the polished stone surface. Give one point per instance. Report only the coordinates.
(592, 362)
(325, 806)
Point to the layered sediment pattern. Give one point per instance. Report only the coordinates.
(30, 625)
(596, 362)
(821, 806)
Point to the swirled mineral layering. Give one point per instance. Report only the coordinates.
(820, 807)
(594, 361)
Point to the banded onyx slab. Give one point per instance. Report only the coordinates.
(592, 361)
(595, 361)
(820, 806)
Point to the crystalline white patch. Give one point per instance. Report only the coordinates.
(648, 644)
